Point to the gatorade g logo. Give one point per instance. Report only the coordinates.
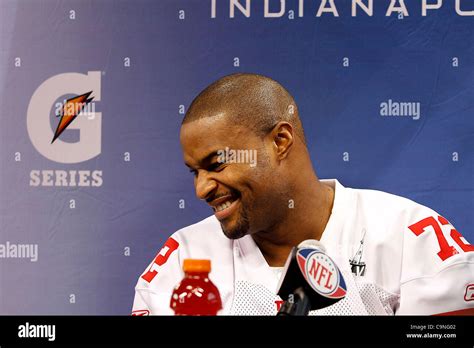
(38, 118)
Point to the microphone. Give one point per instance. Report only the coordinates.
(311, 280)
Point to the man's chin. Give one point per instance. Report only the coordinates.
(235, 232)
(236, 226)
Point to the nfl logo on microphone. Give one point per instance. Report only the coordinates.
(321, 273)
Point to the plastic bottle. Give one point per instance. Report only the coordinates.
(196, 294)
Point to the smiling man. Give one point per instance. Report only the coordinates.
(397, 257)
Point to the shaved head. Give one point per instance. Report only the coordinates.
(243, 141)
(251, 115)
(250, 100)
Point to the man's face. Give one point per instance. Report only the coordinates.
(239, 185)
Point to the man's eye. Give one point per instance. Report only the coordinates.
(215, 166)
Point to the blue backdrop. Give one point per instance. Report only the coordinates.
(144, 61)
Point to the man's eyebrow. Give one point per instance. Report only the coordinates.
(205, 160)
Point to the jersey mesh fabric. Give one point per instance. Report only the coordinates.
(377, 299)
(255, 299)
(349, 305)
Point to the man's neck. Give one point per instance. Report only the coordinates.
(307, 220)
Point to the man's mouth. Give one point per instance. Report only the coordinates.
(224, 206)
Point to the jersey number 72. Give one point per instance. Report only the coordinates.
(446, 250)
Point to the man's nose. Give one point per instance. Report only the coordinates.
(204, 185)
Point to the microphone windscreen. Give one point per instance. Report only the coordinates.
(312, 243)
(319, 277)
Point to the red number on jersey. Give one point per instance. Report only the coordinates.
(160, 259)
(446, 250)
(456, 236)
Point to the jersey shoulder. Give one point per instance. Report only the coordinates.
(385, 205)
(416, 240)
(203, 239)
(417, 253)
(429, 241)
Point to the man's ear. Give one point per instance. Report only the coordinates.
(282, 138)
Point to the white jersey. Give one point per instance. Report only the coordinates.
(396, 256)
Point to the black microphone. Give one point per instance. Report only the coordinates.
(311, 280)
